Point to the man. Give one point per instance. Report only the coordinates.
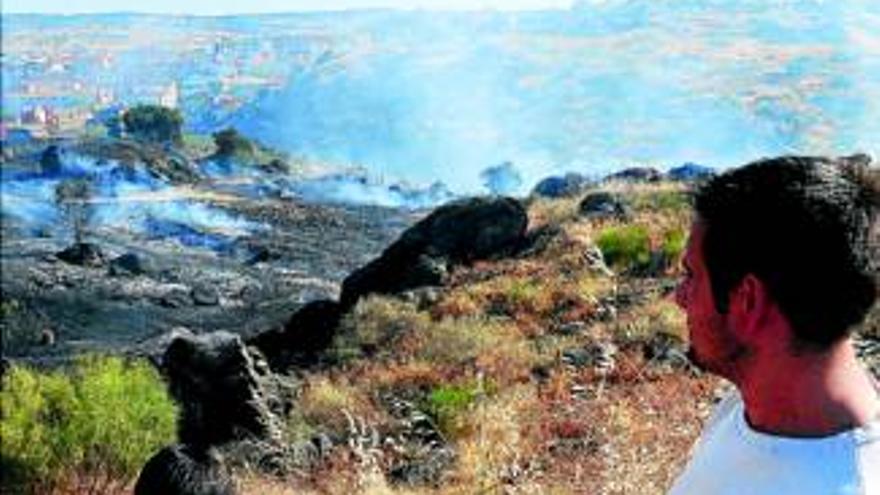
(780, 265)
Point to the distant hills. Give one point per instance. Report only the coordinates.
(430, 96)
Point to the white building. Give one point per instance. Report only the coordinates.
(170, 96)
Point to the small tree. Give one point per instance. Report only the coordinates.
(154, 123)
(230, 143)
(50, 160)
(502, 178)
(73, 199)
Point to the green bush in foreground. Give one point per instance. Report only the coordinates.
(626, 246)
(102, 420)
(448, 403)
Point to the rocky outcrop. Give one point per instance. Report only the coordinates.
(690, 172)
(226, 394)
(560, 187)
(300, 342)
(225, 390)
(183, 470)
(130, 264)
(456, 233)
(636, 174)
(50, 160)
(161, 162)
(82, 253)
(420, 453)
(602, 204)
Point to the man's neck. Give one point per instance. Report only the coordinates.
(808, 394)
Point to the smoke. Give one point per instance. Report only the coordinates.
(438, 96)
(348, 189)
(126, 198)
(502, 179)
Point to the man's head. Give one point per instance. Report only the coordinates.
(802, 228)
(714, 345)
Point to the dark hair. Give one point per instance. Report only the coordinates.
(806, 227)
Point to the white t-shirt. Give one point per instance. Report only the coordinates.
(732, 458)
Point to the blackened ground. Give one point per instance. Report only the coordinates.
(252, 284)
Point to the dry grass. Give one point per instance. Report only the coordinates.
(574, 431)
(534, 425)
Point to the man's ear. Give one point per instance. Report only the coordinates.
(750, 303)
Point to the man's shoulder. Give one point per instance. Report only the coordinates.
(730, 402)
(867, 440)
(732, 458)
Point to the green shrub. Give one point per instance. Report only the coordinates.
(673, 244)
(231, 144)
(447, 404)
(626, 246)
(154, 123)
(102, 419)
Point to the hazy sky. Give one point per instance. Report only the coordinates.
(220, 7)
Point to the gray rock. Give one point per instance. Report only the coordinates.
(423, 297)
(250, 293)
(83, 254)
(184, 470)
(226, 390)
(571, 328)
(153, 348)
(456, 233)
(596, 261)
(205, 295)
(304, 337)
(690, 172)
(664, 350)
(129, 264)
(422, 453)
(538, 240)
(176, 298)
(601, 205)
(559, 187)
(637, 174)
(605, 312)
(600, 355)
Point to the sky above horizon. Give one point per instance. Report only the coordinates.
(221, 7)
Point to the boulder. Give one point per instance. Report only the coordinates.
(262, 254)
(204, 294)
(422, 454)
(308, 333)
(596, 261)
(858, 160)
(184, 470)
(568, 185)
(176, 297)
(83, 254)
(456, 233)
(225, 390)
(537, 240)
(636, 174)
(665, 350)
(690, 172)
(602, 204)
(50, 161)
(390, 275)
(153, 348)
(129, 264)
(598, 355)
